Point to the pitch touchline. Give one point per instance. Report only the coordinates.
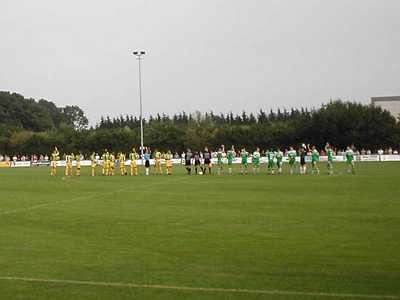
(198, 289)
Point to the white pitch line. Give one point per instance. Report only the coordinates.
(7, 212)
(199, 289)
(91, 195)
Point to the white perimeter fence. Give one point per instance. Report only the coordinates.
(338, 158)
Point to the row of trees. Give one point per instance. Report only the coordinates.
(27, 126)
(19, 113)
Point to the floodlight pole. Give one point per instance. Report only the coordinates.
(139, 57)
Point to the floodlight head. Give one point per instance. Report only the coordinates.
(142, 52)
(135, 52)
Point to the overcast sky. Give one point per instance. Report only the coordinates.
(202, 55)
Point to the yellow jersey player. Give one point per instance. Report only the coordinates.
(168, 162)
(121, 158)
(111, 164)
(106, 162)
(55, 156)
(78, 164)
(133, 156)
(68, 164)
(103, 158)
(157, 162)
(93, 163)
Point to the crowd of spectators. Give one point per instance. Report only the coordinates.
(32, 158)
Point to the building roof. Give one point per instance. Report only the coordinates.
(385, 99)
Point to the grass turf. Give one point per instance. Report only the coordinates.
(324, 234)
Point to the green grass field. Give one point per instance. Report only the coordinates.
(201, 237)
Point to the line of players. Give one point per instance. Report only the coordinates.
(202, 161)
(274, 160)
(110, 162)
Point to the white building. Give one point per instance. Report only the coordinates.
(391, 104)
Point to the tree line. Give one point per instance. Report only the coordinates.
(28, 126)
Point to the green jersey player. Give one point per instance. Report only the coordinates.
(244, 155)
(350, 160)
(329, 153)
(256, 161)
(270, 158)
(292, 159)
(230, 156)
(279, 158)
(220, 156)
(314, 160)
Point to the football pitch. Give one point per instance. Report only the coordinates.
(201, 237)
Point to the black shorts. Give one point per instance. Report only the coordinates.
(187, 163)
(197, 162)
(207, 161)
(302, 161)
(147, 164)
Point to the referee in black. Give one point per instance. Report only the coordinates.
(188, 161)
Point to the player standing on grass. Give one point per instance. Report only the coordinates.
(206, 161)
(270, 165)
(244, 155)
(93, 163)
(146, 157)
(55, 156)
(256, 161)
(303, 154)
(108, 163)
(78, 164)
(111, 171)
(231, 156)
(121, 158)
(292, 159)
(133, 156)
(168, 162)
(68, 164)
(197, 162)
(350, 160)
(314, 160)
(104, 158)
(329, 153)
(188, 161)
(220, 155)
(157, 162)
(279, 158)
